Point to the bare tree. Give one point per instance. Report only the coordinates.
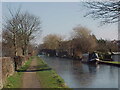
(20, 27)
(29, 25)
(11, 28)
(52, 41)
(108, 11)
(82, 40)
(7, 44)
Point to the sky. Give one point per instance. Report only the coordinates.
(61, 18)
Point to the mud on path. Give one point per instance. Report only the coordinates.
(30, 79)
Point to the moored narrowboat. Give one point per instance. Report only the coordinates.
(90, 57)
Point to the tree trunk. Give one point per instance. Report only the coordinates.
(15, 45)
(23, 51)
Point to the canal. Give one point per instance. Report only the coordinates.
(79, 75)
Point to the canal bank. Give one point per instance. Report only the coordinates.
(114, 62)
(48, 77)
(15, 81)
(35, 74)
(80, 75)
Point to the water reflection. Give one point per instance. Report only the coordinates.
(116, 57)
(79, 75)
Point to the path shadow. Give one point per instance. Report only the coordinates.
(34, 70)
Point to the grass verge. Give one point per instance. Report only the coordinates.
(49, 78)
(27, 64)
(111, 62)
(15, 81)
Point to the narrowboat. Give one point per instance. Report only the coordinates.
(90, 57)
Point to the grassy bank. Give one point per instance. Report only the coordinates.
(15, 81)
(48, 77)
(27, 64)
(110, 62)
(113, 62)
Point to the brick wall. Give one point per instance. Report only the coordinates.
(7, 67)
(1, 73)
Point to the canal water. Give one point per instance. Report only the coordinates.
(79, 75)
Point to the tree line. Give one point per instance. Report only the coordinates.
(81, 41)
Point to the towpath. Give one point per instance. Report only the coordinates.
(30, 79)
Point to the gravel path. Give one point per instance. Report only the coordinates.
(30, 79)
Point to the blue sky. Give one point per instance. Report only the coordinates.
(62, 17)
